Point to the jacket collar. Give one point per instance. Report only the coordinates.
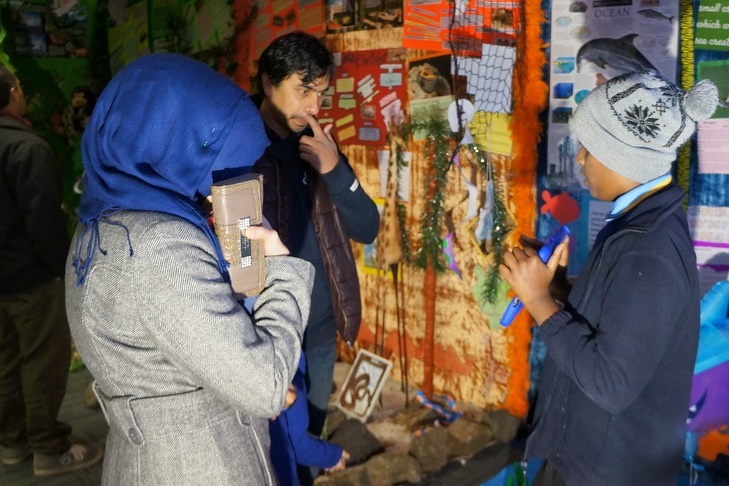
(6, 116)
(652, 210)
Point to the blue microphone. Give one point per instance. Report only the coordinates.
(544, 253)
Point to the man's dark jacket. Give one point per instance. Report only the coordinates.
(33, 236)
(332, 236)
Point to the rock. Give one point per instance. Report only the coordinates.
(385, 469)
(504, 425)
(430, 449)
(351, 476)
(394, 437)
(354, 437)
(335, 418)
(466, 436)
(414, 419)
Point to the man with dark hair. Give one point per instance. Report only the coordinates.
(35, 342)
(314, 200)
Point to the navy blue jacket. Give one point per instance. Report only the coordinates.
(613, 396)
(291, 443)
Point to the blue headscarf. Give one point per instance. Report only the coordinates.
(159, 131)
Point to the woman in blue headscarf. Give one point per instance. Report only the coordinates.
(187, 380)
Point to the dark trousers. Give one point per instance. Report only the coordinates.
(35, 354)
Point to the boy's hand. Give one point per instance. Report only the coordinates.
(320, 151)
(530, 278)
(291, 395)
(560, 286)
(340, 465)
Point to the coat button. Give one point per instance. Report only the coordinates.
(135, 436)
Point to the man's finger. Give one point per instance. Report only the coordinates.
(314, 124)
(328, 131)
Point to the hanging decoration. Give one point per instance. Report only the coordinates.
(494, 225)
(391, 244)
(398, 147)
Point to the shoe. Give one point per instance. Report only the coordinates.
(16, 455)
(77, 457)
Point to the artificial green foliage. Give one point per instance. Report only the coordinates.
(491, 287)
(438, 149)
(4, 58)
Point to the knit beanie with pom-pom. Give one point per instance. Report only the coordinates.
(635, 122)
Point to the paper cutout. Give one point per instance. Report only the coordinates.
(344, 120)
(344, 85)
(491, 133)
(346, 134)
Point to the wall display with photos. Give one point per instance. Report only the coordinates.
(365, 95)
(274, 19)
(430, 90)
(379, 14)
(44, 30)
(463, 27)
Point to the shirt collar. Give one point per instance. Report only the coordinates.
(630, 199)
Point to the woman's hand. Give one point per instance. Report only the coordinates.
(271, 242)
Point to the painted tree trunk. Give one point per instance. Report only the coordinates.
(429, 330)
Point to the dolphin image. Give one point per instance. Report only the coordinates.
(619, 54)
(649, 13)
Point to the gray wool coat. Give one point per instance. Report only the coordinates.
(187, 380)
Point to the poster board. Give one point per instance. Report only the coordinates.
(366, 93)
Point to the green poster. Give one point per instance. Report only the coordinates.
(712, 25)
(718, 72)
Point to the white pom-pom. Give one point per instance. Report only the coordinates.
(701, 100)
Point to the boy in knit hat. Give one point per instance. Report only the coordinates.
(613, 396)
